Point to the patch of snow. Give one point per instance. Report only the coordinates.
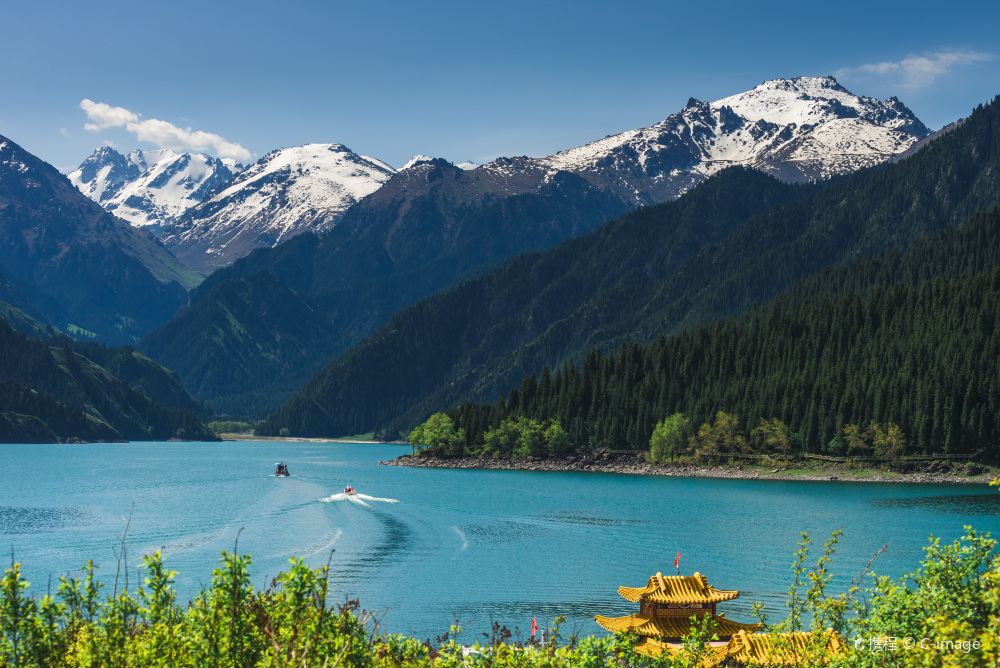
(288, 191)
(418, 158)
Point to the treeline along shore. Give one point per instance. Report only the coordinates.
(927, 472)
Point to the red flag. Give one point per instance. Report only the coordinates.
(534, 627)
(677, 562)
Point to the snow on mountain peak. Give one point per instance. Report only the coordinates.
(418, 158)
(150, 187)
(288, 191)
(798, 129)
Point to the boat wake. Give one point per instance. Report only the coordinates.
(357, 499)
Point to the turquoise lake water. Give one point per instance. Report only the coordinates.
(471, 546)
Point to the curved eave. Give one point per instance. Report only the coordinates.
(690, 597)
(668, 627)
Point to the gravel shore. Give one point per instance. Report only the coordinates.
(934, 472)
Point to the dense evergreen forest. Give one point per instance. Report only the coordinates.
(909, 339)
(733, 243)
(61, 389)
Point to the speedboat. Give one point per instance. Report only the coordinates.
(281, 469)
(350, 491)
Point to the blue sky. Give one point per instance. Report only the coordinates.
(462, 80)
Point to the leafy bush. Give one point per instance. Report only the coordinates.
(945, 613)
(231, 427)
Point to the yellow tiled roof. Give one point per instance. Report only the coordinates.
(764, 650)
(668, 627)
(678, 590)
(651, 647)
(782, 649)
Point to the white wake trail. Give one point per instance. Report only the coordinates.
(376, 498)
(357, 499)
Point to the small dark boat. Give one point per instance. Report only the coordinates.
(281, 469)
(350, 491)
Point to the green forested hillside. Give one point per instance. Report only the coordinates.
(56, 392)
(911, 339)
(658, 271)
(255, 332)
(68, 263)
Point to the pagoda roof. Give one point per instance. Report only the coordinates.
(757, 649)
(677, 590)
(714, 654)
(782, 649)
(668, 627)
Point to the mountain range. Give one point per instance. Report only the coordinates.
(731, 243)
(368, 296)
(210, 213)
(434, 224)
(150, 188)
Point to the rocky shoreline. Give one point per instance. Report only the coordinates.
(935, 473)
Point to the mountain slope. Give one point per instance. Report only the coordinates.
(430, 226)
(51, 391)
(904, 338)
(150, 188)
(627, 282)
(74, 263)
(287, 192)
(434, 224)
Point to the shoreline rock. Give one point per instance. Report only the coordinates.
(636, 465)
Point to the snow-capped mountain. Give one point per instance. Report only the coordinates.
(150, 187)
(418, 158)
(288, 191)
(103, 174)
(797, 129)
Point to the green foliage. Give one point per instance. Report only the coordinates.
(953, 596)
(771, 436)
(438, 435)
(670, 438)
(946, 613)
(530, 439)
(523, 437)
(501, 441)
(725, 435)
(229, 624)
(65, 389)
(889, 441)
(557, 439)
(231, 427)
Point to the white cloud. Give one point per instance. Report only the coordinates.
(101, 116)
(167, 134)
(915, 71)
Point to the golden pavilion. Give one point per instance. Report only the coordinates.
(762, 650)
(666, 605)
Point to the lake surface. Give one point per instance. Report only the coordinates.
(472, 546)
